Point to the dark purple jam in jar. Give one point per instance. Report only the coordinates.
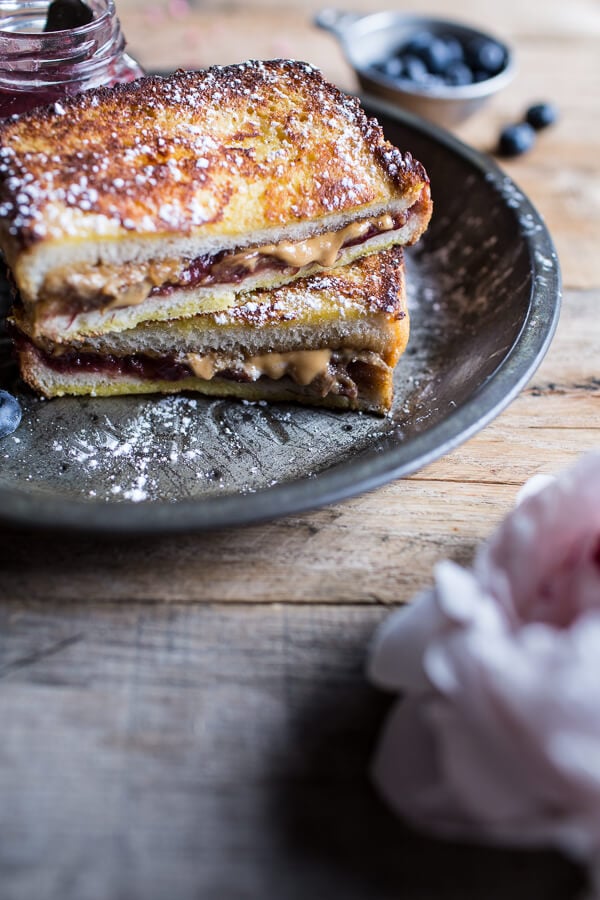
(38, 67)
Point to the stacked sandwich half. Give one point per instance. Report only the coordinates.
(236, 232)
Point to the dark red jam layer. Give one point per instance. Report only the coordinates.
(345, 378)
(140, 366)
(208, 269)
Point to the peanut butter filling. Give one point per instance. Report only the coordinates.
(322, 249)
(125, 285)
(302, 366)
(129, 284)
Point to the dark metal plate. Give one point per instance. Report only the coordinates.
(484, 288)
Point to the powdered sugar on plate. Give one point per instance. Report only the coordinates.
(140, 449)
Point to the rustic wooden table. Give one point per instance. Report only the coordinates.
(187, 717)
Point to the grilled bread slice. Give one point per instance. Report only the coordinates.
(172, 196)
(327, 340)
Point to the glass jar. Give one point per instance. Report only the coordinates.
(39, 67)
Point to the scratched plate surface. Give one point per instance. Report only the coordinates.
(483, 296)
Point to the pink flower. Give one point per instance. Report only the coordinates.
(497, 736)
(178, 9)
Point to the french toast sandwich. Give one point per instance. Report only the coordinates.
(179, 196)
(331, 339)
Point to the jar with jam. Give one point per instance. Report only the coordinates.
(49, 51)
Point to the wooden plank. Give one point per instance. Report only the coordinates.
(554, 420)
(379, 548)
(582, 17)
(215, 753)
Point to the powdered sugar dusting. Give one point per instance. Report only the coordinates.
(372, 285)
(142, 449)
(175, 154)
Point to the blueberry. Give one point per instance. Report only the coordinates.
(454, 49)
(485, 54)
(437, 57)
(516, 139)
(418, 43)
(458, 73)
(10, 414)
(433, 81)
(480, 75)
(393, 67)
(415, 69)
(540, 115)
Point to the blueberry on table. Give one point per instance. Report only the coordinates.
(65, 14)
(540, 115)
(10, 414)
(485, 55)
(516, 139)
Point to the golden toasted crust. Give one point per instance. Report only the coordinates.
(229, 150)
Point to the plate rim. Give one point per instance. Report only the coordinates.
(352, 477)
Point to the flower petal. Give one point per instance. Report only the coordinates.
(498, 737)
(541, 541)
(405, 769)
(395, 658)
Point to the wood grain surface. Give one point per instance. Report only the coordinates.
(188, 717)
(210, 753)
